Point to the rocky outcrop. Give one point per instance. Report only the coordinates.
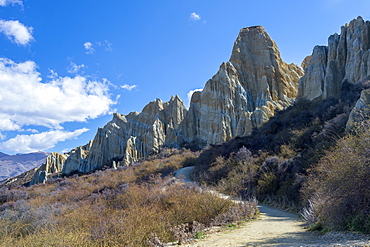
(244, 93)
(76, 160)
(54, 164)
(305, 62)
(345, 59)
(360, 112)
(127, 138)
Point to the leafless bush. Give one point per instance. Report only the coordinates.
(155, 241)
(309, 213)
(338, 185)
(187, 232)
(240, 211)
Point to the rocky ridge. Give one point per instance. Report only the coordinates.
(244, 93)
(346, 58)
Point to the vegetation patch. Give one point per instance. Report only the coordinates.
(131, 206)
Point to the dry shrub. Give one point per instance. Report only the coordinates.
(339, 186)
(134, 206)
(240, 211)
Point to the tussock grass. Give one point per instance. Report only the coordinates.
(140, 205)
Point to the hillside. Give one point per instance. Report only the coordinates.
(245, 92)
(291, 137)
(14, 165)
(139, 205)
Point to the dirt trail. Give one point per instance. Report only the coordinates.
(184, 173)
(274, 227)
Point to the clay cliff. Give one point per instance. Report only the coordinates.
(127, 138)
(244, 94)
(346, 58)
(54, 164)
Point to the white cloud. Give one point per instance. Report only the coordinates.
(194, 17)
(66, 150)
(26, 100)
(128, 87)
(7, 124)
(16, 32)
(89, 48)
(74, 68)
(40, 141)
(190, 93)
(12, 2)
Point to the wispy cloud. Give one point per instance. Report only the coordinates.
(39, 142)
(16, 32)
(194, 17)
(74, 68)
(53, 74)
(12, 2)
(128, 87)
(106, 45)
(89, 48)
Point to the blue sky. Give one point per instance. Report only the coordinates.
(66, 65)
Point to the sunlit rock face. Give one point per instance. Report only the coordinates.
(360, 112)
(244, 93)
(345, 59)
(54, 164)
(127, 138)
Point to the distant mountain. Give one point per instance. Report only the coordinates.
(3, 155)
(13, 165)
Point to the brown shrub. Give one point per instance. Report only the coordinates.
(134, 206)
(339, 188)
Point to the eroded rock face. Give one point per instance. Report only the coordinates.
(126, 139)
(244, 93)
(360, 112)
(76, 160)
(54, 164)
(345, 59)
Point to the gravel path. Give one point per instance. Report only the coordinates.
(275, 227)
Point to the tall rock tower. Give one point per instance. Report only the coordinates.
(244, 93)
(345, 59)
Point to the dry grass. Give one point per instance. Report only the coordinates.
(131, 206)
